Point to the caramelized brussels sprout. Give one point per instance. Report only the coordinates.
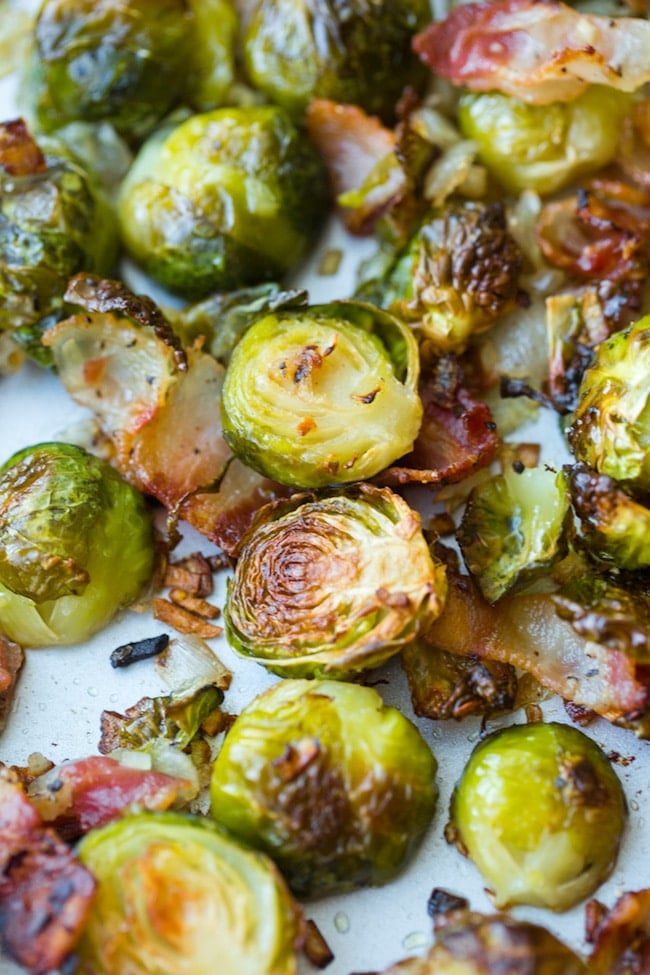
(76, 544)
(615, 527)
(355, 52)
(95, 59)
(226, 198)
(334, 785)
(323, 395)
(544, 147)
(331, 585)
(54, 221)
(175, 895)
(513, 529)
(458, 275)
(611, 425)
(541, 812)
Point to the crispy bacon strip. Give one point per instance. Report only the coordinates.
(81, 795)
(526, 631)
(45, 894)
(537, 50)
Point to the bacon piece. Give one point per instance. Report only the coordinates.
(90, 792)
(527, 632)
(537, 50)
(45, 894)
(621, 937)
(19, 154)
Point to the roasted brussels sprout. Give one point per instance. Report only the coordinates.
(353, 52)
(611, 425)
(544, 147)
(212, 66)
(615, 527)
(95, 59)
(54, 221)
(459, 274)
(513, 529)
(323, 395)
(76, 544)
(541, 812)
(175, 895)
(334, 785)
(226, 198)
(331, 585)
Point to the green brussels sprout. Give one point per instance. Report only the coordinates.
(331, 585)
(322, 776)
(96, 59)
(226, 198)
(354, 52)
(543, 147)
(457, 276)
(54, 221)
(611, 425)
(513, 529)
(541, 812)
(615, 527)
(214, 40)
(323, 395)
(76, 544)
(174, 895)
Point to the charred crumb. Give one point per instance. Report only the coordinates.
(130, 653)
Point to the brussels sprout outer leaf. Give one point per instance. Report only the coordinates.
(332, 784)
(322, 395)
(175, 895)
(541, 812)
(332, 585)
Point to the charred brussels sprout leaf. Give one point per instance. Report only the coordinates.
(226, 198)
(615, 527)
(175, 895)
(543, 147)
(95, 59)
(353, 52)
(54, 221)
(513, 529)
(541, 812)
(76, 544)
(335, 786)
(332, 585)
(611, 425)
(323, 395)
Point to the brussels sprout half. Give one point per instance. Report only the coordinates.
(226, 198)
(543, 147)
(76, 544)
(97, 60)
(323, 395)
(332, 585)
(611, 424)
(615, 527)
(541, 812)
(334, 785)
(513, 529)
(355, 52)
(176, 896)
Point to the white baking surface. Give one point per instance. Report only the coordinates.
(62, 692)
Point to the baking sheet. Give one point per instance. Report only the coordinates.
(62, 692)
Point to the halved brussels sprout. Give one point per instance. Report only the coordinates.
(175, 895)
(226, 198)
(615, 527)
(332, 585)
(541, 812)
(544, 147)
(354, 52)
(513, 529)
(611, 424)
(54, 221)
(96, 59)
(325, 394)
(76, 544)
(334, 785)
